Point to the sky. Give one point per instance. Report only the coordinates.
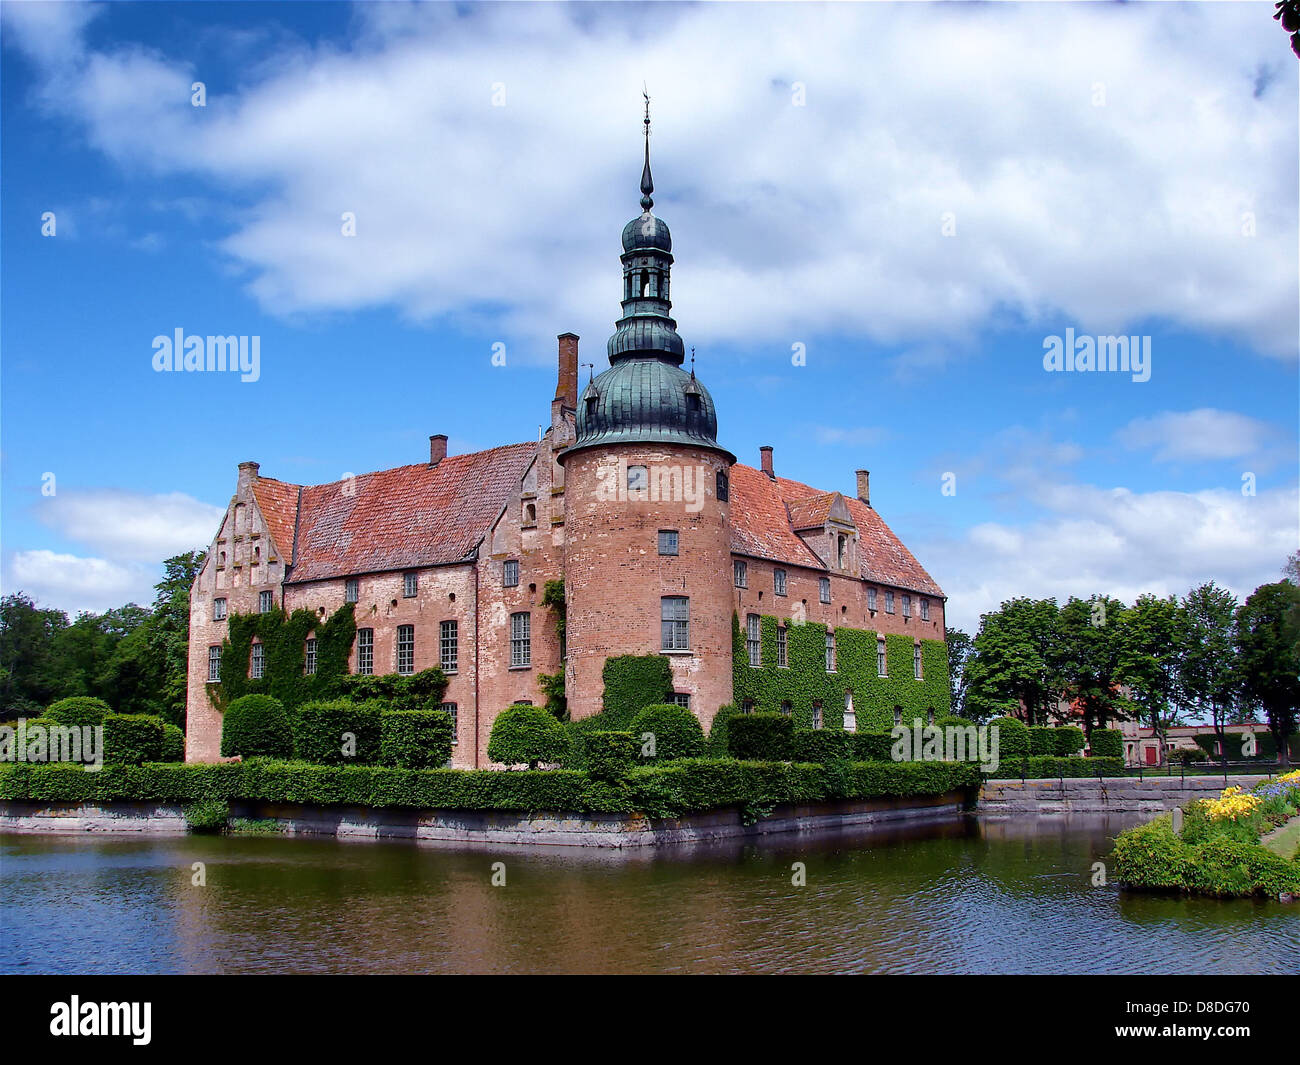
(881, 213)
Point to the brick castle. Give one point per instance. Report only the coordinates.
(659, 535)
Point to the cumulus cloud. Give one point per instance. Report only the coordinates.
(1197, 434)
(131, 526)
(73, 583)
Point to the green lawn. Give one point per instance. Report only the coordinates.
(1284, 841)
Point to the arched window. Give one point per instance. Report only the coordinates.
(723, 487)
(645, 284)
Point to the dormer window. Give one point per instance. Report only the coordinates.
(841, 546)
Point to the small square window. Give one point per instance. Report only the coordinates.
(668, 541)
(351, 590)
(265, 601)
(778, 582)
(825, 589)
(682, 699)
(510, 574)
(218, 610)
(410, 585)
(741, 573)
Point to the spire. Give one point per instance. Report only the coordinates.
(647, 182)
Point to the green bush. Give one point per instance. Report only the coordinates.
(173, 748)
(256, 725)
(527, 735)
(1013, 737)
(611, 755)
(1152, 856)
(337, 732)
(873, 746)
(821, 746)
(953, 721)
(1106, 743)
(395, 691)
(718, 730)
(78, 710)
(1041, 766)
(1069, 741)
(1187, 755)
(761, 737)
(207, 815)
(132, 738)
(415, 739)
(1042, 740)
(671, 731)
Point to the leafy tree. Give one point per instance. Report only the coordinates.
(1015, 661)
(960, 648)
(1207, 675)
(1087, 658)
(29, 680)
(1268, 667)
(1148, 661)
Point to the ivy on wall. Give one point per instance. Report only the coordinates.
(805, 680)
(284, 638)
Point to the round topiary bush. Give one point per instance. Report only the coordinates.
(78, 710)
(337, 732)
(1013, 737)
(1069, 741)
(665, 731)
(527, 735)
(173, 748)
(415, 739)
(1042, 740)
(610, 755)
(256, 724)
(132, 739)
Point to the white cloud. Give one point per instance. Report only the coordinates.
(130, 526)
(1197, 434)
(73, 583)
(789, 221)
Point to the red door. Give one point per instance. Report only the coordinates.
(1153, 756)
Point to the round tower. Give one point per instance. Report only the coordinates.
(646, 501)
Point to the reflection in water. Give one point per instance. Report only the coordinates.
(971, 896)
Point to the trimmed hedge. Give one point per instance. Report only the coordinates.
(528, 735)
(761, 737)
(674, 731)
(256, 725)
(133, 738)
(173, 748)
(78, 710)
(415, 739)
(821, 745)
(1069, 740)
(720, 729)
(631, 683)
(1042, 740)
(337, 732)
(1013, 737)
(873, 746)
(1048, 765)
(611, 755)
(1106, 743)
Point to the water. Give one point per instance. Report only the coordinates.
(970, 897)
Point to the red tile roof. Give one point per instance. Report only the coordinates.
(278, 502)
(766, 512)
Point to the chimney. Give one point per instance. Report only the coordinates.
(437, 448)
(766, 453)
(247, 475)
(566, 388)
(864, 486)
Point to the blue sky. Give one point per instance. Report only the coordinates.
(917, 195)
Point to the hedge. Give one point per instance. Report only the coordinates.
(132, 738)
(821, 745)
(611, 755)
(631, 683)
(415, 739)
(1047, 765)
(78, 710)
(337, 732)
(1042, 740)
(1013, 737)
(669, 730)
(395, 691)
(1069, 740)
(1106, 743)
(173, 748)
(761, 737)
(719, 729)
(873, 746)
(528, 735)
(256, 725)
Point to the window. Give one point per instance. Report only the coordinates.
(309, 659)
(723, 488)
(830, 651)
(218, 610)
(889, 602)
(365, 651)
(410, 585)
(668, 541)
(214, 665)
(638, 479)
(850, 715)
(880, 658)
(675, 623)
(787, 707)
(907, 606)
(871, 600)
(449, 646)
(817, 714)
(450, 710)
(351, 590)
(916, 661)
(682, 699)
(746, 706)
(741, 573)
(841, 542)
(265, 601)
(510, 574)
(778, 582)
(530, 514)
(753, 640)
(925, 610)
(782, 652)
(825, 588)
(258, 668)
(521, 639)
(406, 649)
(929, 716)
(898, 715)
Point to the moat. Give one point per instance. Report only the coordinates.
(976, 896)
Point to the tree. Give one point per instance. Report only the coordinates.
(960, 649)
(28, 680)
(1268, 667)
(1088, 656)
(1014, 661)
(1207, 675)
(170, 635)
(1148, 661)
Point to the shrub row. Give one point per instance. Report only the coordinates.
(1047, 765)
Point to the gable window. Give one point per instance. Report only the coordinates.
(871, 600)
(218, 610)
(265, 601)
(410, 585)
(723, 488)
(817, 713)
(916, 661)
(753, 640)
(668, 541)
(889, 602)
(675, 622)
(450, 710)
(521, 639)
(907, 606)
(406, 649)
(365, 651)
(925, 609)
(309, 657)
(258, 668)
(880, 658)
(741, 573)
(841, 542)
(449, 646)
(351, 590)
(778, 582)
(682, 699)
(510, 574)
(214, 665)
(782, 651)
(530, 513)
(825, 589)
(830, 651)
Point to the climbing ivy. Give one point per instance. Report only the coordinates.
(805, 679)
(553, 683)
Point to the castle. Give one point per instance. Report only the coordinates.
(659, 535)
